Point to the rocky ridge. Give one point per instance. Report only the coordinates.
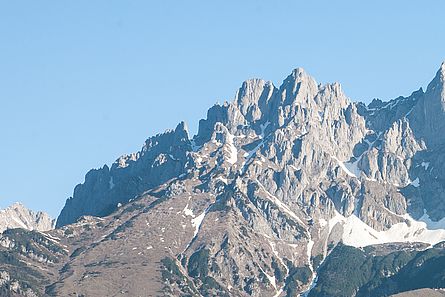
(18, 216)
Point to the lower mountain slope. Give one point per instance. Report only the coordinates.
(380, 270)
(29, 261)
(183, 239)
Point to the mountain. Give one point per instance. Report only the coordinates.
(283, 191)
(18, 216)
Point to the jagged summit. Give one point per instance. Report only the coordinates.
(299, 74)
(439, 80)
(428, 116)
(321, 112)
(18, 216)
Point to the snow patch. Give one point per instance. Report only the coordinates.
(314, 278)
(353, 168)
(224, 180)
(310, 245)
(425, 165)
(52, 237)
(358, 234)
(281, 205)
(275, 252)
(20, 223)
(263, 128)
(269, 277)
(248, 155)
(350, 169)
(278, 292)
(233, 152)
(196, 222)
(187, 211)
(432, 225)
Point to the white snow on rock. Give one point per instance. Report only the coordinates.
(275, 252)
(432, 225)
(263, 128)
(415, 183)
(353, 168)
(270, 278)
(278, 293)
(224, 180)
(283, 207)
(233, 152)
(425, 165)
(323, 222)
(196, 222)
(187, 211)
(358, 234)
(310, 245)
(350, 169)
(248, 155)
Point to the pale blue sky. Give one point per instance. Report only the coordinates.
(82, 82)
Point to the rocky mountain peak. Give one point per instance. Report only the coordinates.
(253, 98)
(299, 74)
(428, 116)
(439, 80)
(297, 87)
(18, 216)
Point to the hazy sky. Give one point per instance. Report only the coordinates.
(82, 82)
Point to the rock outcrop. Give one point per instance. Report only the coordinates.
(18, 216)
(162, 157)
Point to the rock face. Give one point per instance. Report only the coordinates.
(255, 203)
(18, 216)
(163, 157)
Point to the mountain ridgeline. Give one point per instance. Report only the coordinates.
(283, 191)
(385, 140)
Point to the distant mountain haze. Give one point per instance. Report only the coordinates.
(18, 216)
